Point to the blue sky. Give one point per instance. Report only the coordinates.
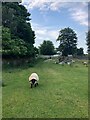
(50, 16)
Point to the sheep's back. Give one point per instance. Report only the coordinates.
(33, 76)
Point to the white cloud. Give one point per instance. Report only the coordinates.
(31, 4)
(77, 10)
(44, 4)
(80, 14)
(45, 33)
(48, 33)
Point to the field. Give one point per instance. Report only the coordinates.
(62, 91)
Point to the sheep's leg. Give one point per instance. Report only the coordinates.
(31, 85)
(35, 85)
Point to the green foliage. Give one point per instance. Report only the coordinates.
(36, 50)
(88, 40)
(30, 50)
(80, 52)
(12, 12)
(68, 41)
(14, 47)
(16, 17)
(47, 48)
(25, 32)
(18, 36)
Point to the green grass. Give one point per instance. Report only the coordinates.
(62, 91)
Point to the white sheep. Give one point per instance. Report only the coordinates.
(85, 63)
(33, 79)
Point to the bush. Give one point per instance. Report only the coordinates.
(15, 47)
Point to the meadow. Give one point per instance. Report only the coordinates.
(62, 91)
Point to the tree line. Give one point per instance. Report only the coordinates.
(67, 44)
(18, 38)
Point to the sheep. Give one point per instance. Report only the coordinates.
(62, 63)
(69, 63)
(85, 63)
(73, 61)
(33, 79)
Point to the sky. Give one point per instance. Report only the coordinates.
(48, 17)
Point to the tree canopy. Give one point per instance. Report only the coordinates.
(47, 48)
(88, 40)
(18, 37)
(68, 41)
(80, 51)
(15, 47)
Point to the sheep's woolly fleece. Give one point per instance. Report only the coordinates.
(33, 76)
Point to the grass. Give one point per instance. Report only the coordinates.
(62, 91)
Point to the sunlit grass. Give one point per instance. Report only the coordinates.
(62, 91)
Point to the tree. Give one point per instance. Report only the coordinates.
(36, 50)
(80, 51)
(88, 40)
(18, 35)
(16, 17)
(16, 47)
(47, 48)
(68, 41)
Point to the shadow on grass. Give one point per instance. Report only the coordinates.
(11, 67)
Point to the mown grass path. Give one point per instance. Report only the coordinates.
(62, 92)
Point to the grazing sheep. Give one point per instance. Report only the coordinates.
(69, 63)
(73, 61)
(33, 79)
(85, 63)
(62, 63)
